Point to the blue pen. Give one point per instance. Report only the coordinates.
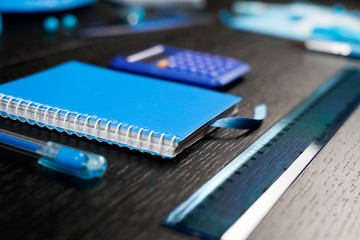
(332, 47)
(58, 157)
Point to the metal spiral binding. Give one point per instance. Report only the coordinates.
(44, 118)
(65, 122)
(7, 108)
(129, 142)
(17, 110)
(74, 126)
(2, 114)
(107, 131)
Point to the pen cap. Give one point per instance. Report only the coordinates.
(72, 161)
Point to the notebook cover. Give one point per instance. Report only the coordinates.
(159, 105)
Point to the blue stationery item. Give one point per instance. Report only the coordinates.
(51, 24)
(162, 4)
(58, 157)
(243, 123)
(335, 33)
(181, 65)
(298, 21)
(138, 112)
(37, 6)
(1, 24)
(69, 21)
(131, 15)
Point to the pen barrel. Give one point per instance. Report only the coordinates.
(18, 142)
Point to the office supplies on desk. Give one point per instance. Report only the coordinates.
(298, 21)
(39, 6)
(58, 157)
(232, 203)
(149, 25)
(163, 4)
(336, 48)
(182, 65)
(153, 116)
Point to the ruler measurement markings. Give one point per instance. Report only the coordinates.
(315, 120)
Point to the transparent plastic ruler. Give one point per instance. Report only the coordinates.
(232, 203)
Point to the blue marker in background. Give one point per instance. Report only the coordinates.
(58, 157)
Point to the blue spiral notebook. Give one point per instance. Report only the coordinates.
(138, 112)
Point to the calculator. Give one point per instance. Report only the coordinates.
(181, 65)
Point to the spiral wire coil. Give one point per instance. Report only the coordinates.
(129, 141)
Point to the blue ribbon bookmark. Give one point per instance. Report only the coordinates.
(242, 123)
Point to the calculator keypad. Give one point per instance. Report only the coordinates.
(200, 64)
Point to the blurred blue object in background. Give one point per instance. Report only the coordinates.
(36, 6)
(299, 21)
(136, 15)
(161, 4)
(336, 33)
(51, 24)
(131, 15)
(1, 24)
(69, 21)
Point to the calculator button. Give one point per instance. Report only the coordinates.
(211, 67)
(205, 66)
(214, 74)
(201, 66)
(218, 63)
(221, 70)
(191, 64)
(229, 66)
(162, 63)
(180, 60)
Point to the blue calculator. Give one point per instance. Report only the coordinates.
(182, 65)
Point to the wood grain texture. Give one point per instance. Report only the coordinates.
(139, 190)
(324, 201)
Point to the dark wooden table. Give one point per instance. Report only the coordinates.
(139, 190)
